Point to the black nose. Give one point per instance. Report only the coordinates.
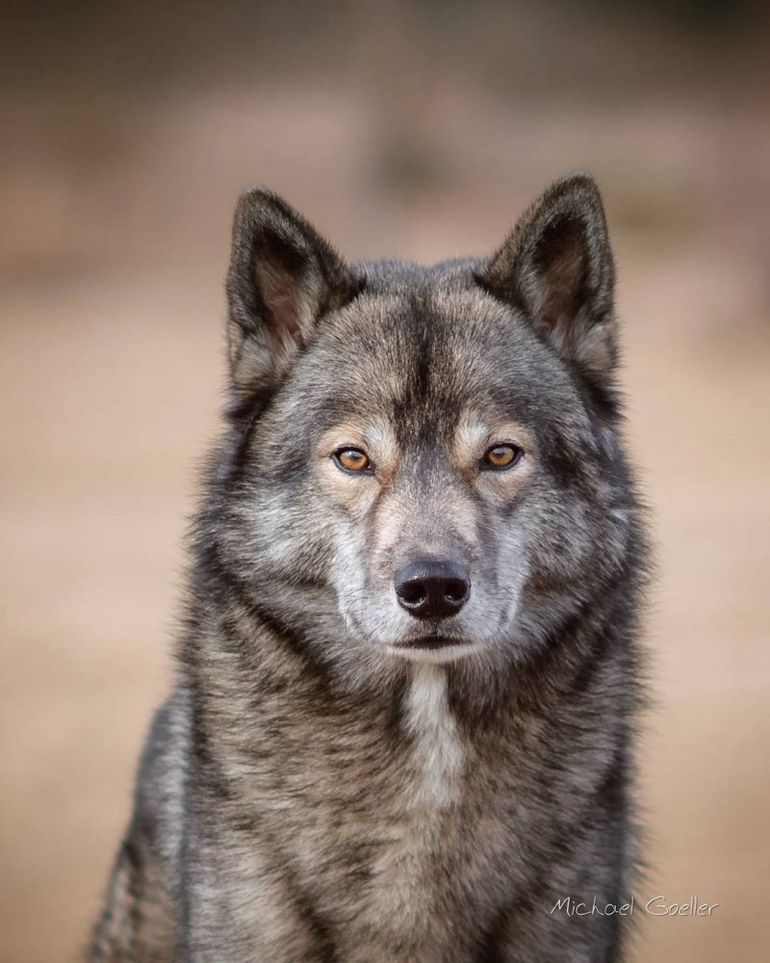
(433, 589)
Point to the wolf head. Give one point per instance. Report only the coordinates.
(423, 463)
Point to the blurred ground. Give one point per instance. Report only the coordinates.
(416, 130)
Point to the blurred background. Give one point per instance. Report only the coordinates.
(409, 129)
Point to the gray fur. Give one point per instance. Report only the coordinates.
(314, 792)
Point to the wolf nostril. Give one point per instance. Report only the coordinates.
(456, 590)
(430, 588)
(412, 593)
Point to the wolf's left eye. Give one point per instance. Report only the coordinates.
(500, 457)
(352, 459)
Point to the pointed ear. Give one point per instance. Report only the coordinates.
(557, 268)
(283, 276)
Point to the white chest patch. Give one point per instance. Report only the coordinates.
(438, 751)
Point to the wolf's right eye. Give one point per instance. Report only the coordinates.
(500, 457)
(352, 460)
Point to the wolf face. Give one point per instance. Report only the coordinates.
(423, 463)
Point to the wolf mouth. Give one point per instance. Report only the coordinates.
(432, 642)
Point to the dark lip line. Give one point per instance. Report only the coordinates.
(431, 642)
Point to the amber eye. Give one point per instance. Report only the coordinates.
(352, 459)
(500, 457)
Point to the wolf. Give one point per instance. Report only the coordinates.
(408, 679)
